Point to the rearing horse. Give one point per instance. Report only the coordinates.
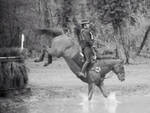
(64, 46)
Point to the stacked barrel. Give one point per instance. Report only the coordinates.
(13, 72)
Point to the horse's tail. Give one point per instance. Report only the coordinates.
(51, 32)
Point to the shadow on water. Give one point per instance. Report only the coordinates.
(80, 104)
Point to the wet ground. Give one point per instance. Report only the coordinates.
(55, 89)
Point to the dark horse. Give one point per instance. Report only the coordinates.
(64, 46)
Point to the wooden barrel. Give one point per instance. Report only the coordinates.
(13, 71)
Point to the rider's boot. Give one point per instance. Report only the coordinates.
(82, 73)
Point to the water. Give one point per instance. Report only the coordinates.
(80, 104)
(113, 104)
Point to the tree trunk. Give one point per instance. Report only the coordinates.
(46, 14)
(124, 43)
(144, 40)
(118, 33)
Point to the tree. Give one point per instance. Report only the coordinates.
(118, 13)
(65, 13)
(11, 25)
(144, 40)
(113, 12)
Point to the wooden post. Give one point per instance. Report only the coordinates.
(22, 42)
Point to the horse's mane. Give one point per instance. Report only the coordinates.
(48, 31)
(111, 61)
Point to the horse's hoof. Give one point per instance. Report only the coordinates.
(36, 60)
(105, 96)
(46, 64)
(89, 99)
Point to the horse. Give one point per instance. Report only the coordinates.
(65, 46)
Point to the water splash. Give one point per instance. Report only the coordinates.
(111, 103)
(87, 106)
(147, 95)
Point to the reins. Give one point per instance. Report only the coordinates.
(108, 77)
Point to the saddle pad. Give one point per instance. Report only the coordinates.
(96, 69)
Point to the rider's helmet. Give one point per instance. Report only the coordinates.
(84, 22)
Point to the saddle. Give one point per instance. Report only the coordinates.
(83, 57)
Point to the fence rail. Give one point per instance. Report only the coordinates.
(11, 59)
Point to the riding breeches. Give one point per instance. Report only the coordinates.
(88, 53)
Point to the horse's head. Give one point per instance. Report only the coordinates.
(119, 70)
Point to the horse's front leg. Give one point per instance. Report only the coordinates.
(103, 90)
(90, 90)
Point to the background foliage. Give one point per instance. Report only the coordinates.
(119, 22)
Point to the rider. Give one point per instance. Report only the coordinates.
(86, 42)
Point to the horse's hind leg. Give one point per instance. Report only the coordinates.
(49, 60)
(90, 90)
(41, 58)
(50, 52)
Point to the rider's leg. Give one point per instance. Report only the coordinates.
(88, 54)
(85, 65)
(94, 53)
